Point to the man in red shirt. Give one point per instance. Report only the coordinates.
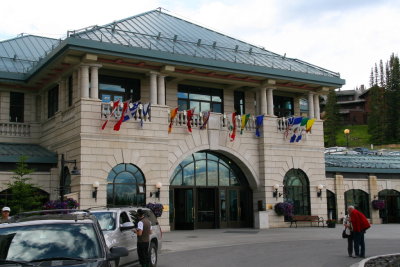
(359, 224)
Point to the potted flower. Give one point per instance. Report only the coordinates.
(378, 204)
(156, 208)
(69, 203)
(331, 223)
(284, 208)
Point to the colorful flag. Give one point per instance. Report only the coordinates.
(172, 116)
(309, 125)
(117, 126)
(293, 123)
(259, 124)
(189, 117)
(206, 116)
(145, 111)
(245, 119)
(232, 126)
(131, 111)
(114, 108)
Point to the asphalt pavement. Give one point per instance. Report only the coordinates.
(302, 246)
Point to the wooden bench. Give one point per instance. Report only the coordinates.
(306, 218)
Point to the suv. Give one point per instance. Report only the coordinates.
(117, 225)
(55, 238)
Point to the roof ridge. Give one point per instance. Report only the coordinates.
(28, 35)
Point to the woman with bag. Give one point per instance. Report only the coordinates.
(348, 233)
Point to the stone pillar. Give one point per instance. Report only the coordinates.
(311, 105)
(339, 191)
(153, 88)
(270, 100)
(263, 101)
(84, 71)
(373, 191)
(161, 90)
(316, 107)
(94, 81)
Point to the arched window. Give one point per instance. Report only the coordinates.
(331, 204)
(391, 212)
(359, 199)
(296, 190)
(125, 186)
(207, 169)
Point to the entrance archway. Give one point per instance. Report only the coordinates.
(297, 191)
(391, 212)
(208, 190)
(359, 199)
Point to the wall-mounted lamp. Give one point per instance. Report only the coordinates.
(156, 193)
(319, 190)
(64, 173)
(95, 187)
(275, 193)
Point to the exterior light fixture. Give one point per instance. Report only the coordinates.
(347, 133)
(75, 171)
(95, 187)
(319, 190)
(275, 193)
(156, 194)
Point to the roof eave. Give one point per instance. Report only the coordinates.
(361, 170)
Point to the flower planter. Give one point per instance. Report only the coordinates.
(331, 225)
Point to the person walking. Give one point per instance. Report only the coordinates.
(360, 224)
(5, 214)
(349, 232)
(143, 232)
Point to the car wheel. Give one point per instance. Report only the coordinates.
(153, 254)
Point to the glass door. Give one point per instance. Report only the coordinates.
(206, 208)
(184, 209)
(234, 208)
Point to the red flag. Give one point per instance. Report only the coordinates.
(115, 106)
(117, 126)
(174, 111)
(233, 134)
(189, 117)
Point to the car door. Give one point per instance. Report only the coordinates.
(127, 239)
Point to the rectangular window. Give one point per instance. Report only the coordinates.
(52, 101)
(202, 98)
(16, 107)
(283, 106)
(304, 107)
(238, 99)
(70, 91)
(115, 88)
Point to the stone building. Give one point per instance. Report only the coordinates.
(56, 95)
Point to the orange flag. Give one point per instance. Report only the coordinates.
(172, 116)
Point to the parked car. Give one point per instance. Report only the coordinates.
(394, 153)
(362, 150)
(117, 225)
(335, 150)
(55, 239)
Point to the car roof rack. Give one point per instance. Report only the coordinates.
(83, 214)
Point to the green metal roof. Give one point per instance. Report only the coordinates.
(161, 37)
(20, 54)
(362, 163)
(35, 153)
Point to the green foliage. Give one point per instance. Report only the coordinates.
(376, 125)
(331, 121)
(358, 136)
(24, 197)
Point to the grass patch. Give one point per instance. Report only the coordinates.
(358, 136)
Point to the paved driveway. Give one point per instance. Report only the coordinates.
(303, 246)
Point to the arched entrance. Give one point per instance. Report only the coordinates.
(208, 190)
(391, 212)
(359, 199)
(125, 186)
(331, 204)
(297, 191)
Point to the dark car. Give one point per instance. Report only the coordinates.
(362, 150)
(56, 239)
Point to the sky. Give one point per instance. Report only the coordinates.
(345, 36)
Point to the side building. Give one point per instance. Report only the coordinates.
(154, 108)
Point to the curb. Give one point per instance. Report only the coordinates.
(364, 261)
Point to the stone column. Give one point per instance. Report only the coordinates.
(373, 191)
(94, 81)
(270, 100)
(339, 192)
(316, 107)
(84, 71)
(263, 101)
(161, 90)
(153, 88)
(311, 105)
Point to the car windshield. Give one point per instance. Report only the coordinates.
(45, 241)
(106, 219)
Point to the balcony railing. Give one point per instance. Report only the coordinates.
(108, 113)
(15, 129)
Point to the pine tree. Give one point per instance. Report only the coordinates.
(392, 97)
(371, 78)
(382, 74)
(376, 75)
(23, 193)
(331, 121)
(375, 118)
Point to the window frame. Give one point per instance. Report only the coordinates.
(16, 107)
(52, 101)
(199, 90)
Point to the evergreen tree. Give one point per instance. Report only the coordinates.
(331, 122)
(23, 193)
(382, 74)
(371, 78)
(392, 97)
(376, 75)
(375, 118)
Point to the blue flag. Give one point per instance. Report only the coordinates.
(259, 124)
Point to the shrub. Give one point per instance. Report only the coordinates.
(284, 208)
(69, 203)
(156, 208)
